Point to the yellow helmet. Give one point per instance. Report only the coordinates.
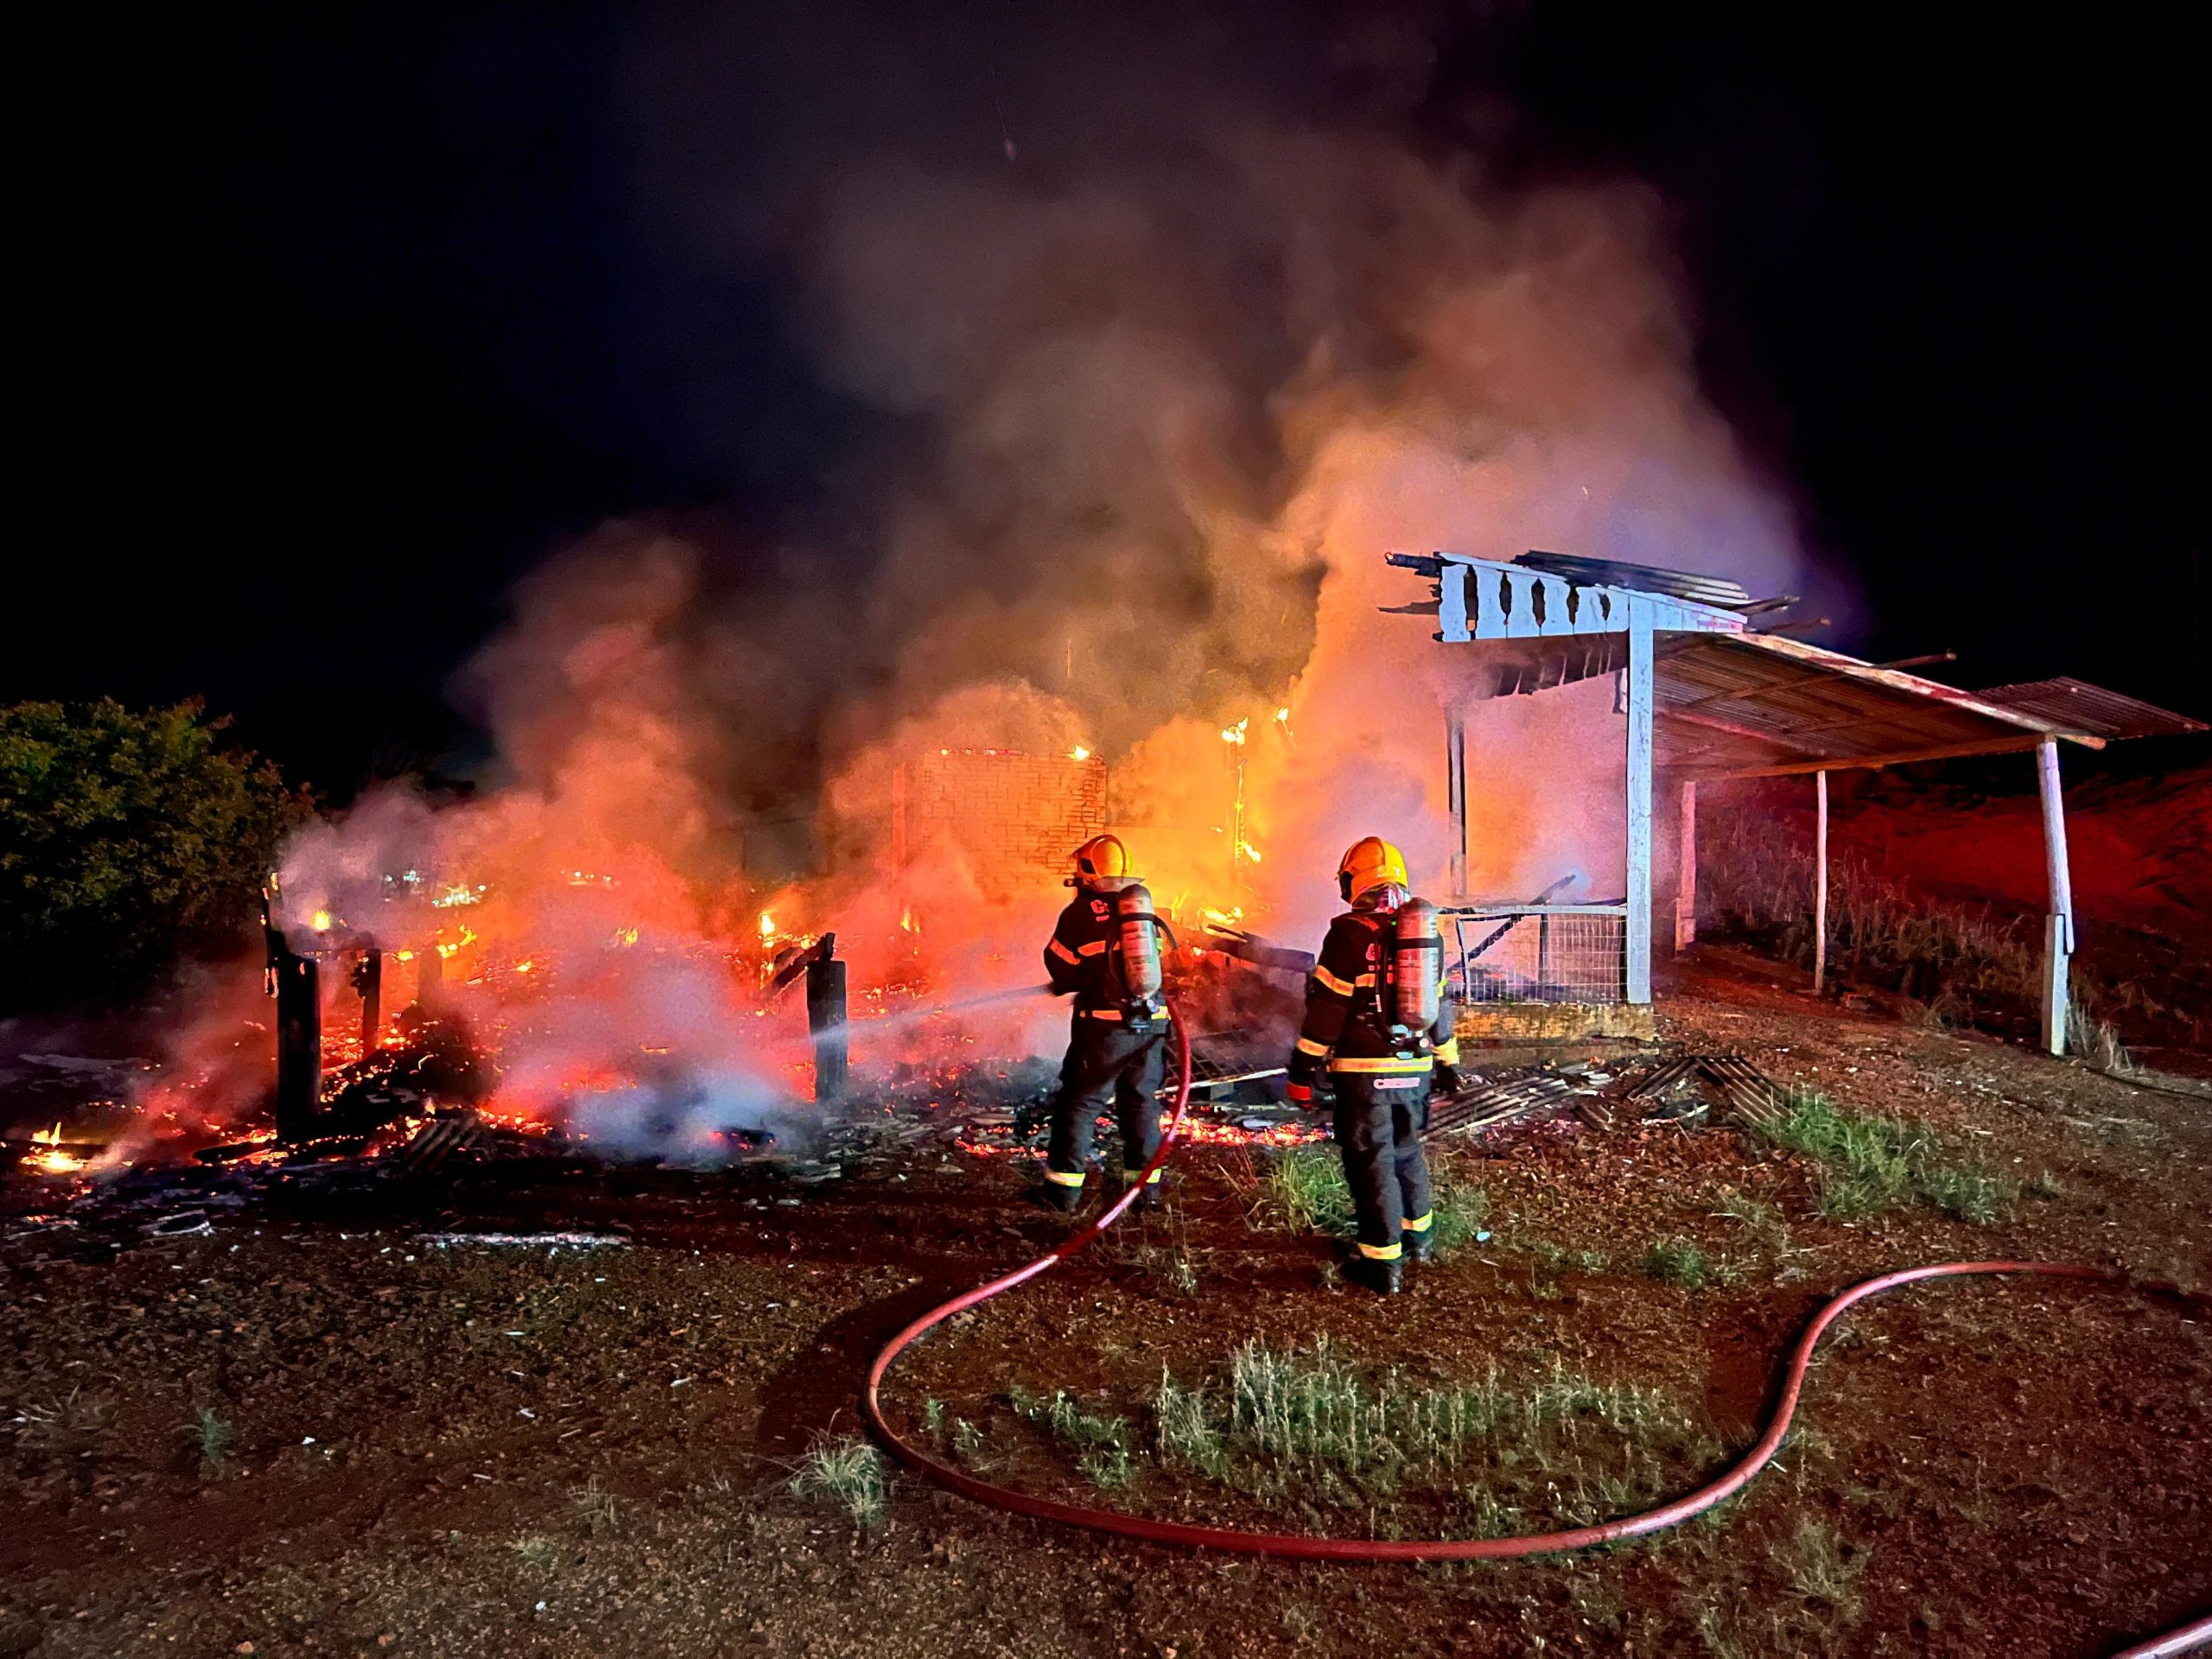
(1368, 862)
(1102, 858)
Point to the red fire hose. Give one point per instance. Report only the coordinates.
(1304, 1546)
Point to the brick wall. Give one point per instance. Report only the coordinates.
(1018, 816)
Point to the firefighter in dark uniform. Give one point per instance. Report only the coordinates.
(1382, 1072)
(1117, 1048)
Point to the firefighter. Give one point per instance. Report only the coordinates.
(1382, 1067)
(1117, 1045)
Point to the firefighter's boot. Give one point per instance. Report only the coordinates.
(1057, 1196)
(1381, 1277)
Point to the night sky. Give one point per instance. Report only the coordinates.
(345, 321)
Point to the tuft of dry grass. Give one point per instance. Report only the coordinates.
(850, 1472)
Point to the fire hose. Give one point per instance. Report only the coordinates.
(1305, 1547)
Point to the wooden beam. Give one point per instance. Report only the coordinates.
(1455, 791)
(1820, 882)
(2058, 926)
(1639, 800)
(1851, 763)
(1685, 863)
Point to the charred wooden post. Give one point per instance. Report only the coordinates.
(368, 982)
(299, 1045)
(429, 977)
(825, 1020)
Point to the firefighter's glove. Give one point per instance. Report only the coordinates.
(1300, 1094)
(1449, 1081)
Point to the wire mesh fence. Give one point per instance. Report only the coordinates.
(1542, 953)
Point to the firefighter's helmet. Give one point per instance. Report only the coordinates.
(1367, 863)
(1102, 858)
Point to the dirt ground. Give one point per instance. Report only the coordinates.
(483, 1450)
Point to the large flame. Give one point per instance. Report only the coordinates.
(1122, 555)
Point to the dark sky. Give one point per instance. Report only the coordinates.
(347, 317)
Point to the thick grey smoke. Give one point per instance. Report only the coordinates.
(1164, 338)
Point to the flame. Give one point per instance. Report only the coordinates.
(624, 937)
(458, 896)
(448, 948)
(524, 967)
(768, 927)
(1249, 851)
(1235, 733)
(906, 922)
(53, 1160)
(319, 921)
(1078, 752)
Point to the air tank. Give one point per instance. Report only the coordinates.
(1140, 941)
(1416, 966)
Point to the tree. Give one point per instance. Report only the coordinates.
(127, 841)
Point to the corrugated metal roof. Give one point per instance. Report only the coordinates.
(1745, 703)
(2090, 710)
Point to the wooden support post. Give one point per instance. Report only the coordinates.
(825, 1019)
(1455, 792)
(368, 980)
(1820, 882)
(1686, 862)
(1639, 802)
(299, 1045)
(2058, 926)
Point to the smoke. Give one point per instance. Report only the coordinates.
(1161, 343)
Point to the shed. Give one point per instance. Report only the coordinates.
(1708, 695)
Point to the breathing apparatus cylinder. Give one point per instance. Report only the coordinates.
(1416, 966)
(1139, 938)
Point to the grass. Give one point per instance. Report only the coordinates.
(210, 1435)
(1103, 1445)
(598, 1512)
(1310, 1427)
(1305, 1190)
(850, 1472)
(1962, 963)
(1819, 1570)
(535, 1549)
(1679, 1261)
(1872, 1164)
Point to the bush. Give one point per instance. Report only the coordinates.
(127, 841)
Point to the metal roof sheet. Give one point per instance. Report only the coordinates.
(1751, 703)
(2090, 710)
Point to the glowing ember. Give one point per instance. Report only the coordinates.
(319, 921)
(1078, 752)
(768, 925)
(458, 896)
(53, 1160)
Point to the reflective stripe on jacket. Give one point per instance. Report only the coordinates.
(1346, 1026)
(1081, 956)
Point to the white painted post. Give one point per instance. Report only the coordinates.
(1686, 862)
(1639, 802)
(1820, 882)
(2058, 926)
(1455, 789)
